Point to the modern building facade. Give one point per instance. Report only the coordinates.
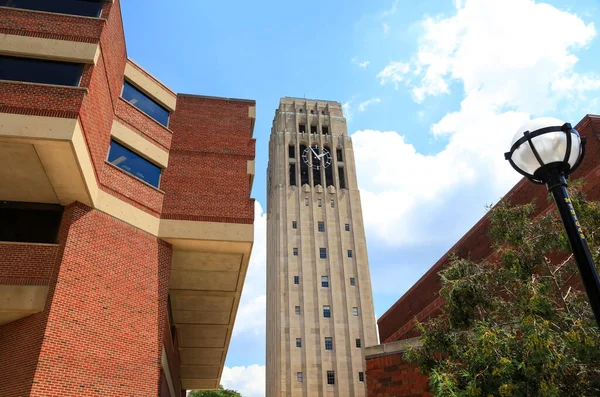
(319, 303)
(126, 223)
(387, 372)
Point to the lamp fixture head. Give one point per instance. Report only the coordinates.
(545, 146)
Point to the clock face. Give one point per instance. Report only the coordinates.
(317, 157)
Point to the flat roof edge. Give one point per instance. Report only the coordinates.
(253, 101)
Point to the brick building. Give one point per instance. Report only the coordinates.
(126, 223)
(387, 373)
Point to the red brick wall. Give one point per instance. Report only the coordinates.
(390, 376)
(50, 26)
(26, 264)
(146, 125)
(129, 189)
(21, 340)
(40, 100)
(107, 313)
(207, 177)
(396, 323)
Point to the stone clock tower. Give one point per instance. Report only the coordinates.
(319, 303)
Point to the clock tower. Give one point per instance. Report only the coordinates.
(320, 312)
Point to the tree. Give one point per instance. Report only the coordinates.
(221, 392)
(518, 324)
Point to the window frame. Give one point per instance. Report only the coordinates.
(321, 226)
(98, 16)
(40, 62)
(299, 377)
(329, 343)
(352, 282)
(319, 203)
(361, 376)
(296, 280)
(332, 203)
(347, 227)
(324, 281)
(350, 254)
(297, 310)
(358, 343)
(295, 251)
(294, 224)
(299, 342)
(355, 311)
(326, 309)
(322, 253)
(128, 148)
(131, 84)
(331, 377)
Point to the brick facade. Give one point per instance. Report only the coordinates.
(212, 135)
(105, 322)
(390, 376)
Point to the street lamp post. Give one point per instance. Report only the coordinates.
(546, 150)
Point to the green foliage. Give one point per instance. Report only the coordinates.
(222, 392)
(514, 325)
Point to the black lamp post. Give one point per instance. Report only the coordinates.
(546, 150)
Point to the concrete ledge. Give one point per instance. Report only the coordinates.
(18, 301)
(150, 87)
(138, 143)
(392, 348)
(59, 50)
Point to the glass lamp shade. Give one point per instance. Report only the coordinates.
(551, 146)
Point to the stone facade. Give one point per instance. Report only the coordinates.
(298, 276)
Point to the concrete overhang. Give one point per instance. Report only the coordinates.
(18, 301)
(208, 268)
(44, 160)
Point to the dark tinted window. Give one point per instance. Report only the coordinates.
(358, 343)
(296, 279)
(292, 174)
(326, 311)
(88, 8)
(342, 177)
(29, 223)
(292, 151)
(325, 130)
(133, 164)
(323, 253)
(39, 71)
(328, 343)
(330, 377)
(321, 226)
(141, 101)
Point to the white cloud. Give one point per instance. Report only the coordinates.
(509, 71)
(363, 105)
(390, 11)
(364, 64)
(394, 72)
(248, 381)
(386, 27)
(347, 110)
(251, 313)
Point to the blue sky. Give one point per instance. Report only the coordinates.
(433, 92)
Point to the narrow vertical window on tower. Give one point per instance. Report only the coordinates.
(316, 176)
(302, 130)
(313, 129)
(325, 130)
(329, 176)
(292, 174)
(338, 154)
(292, 151)
(342, 177)
(303, 168)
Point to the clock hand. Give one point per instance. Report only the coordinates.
(315, 153)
